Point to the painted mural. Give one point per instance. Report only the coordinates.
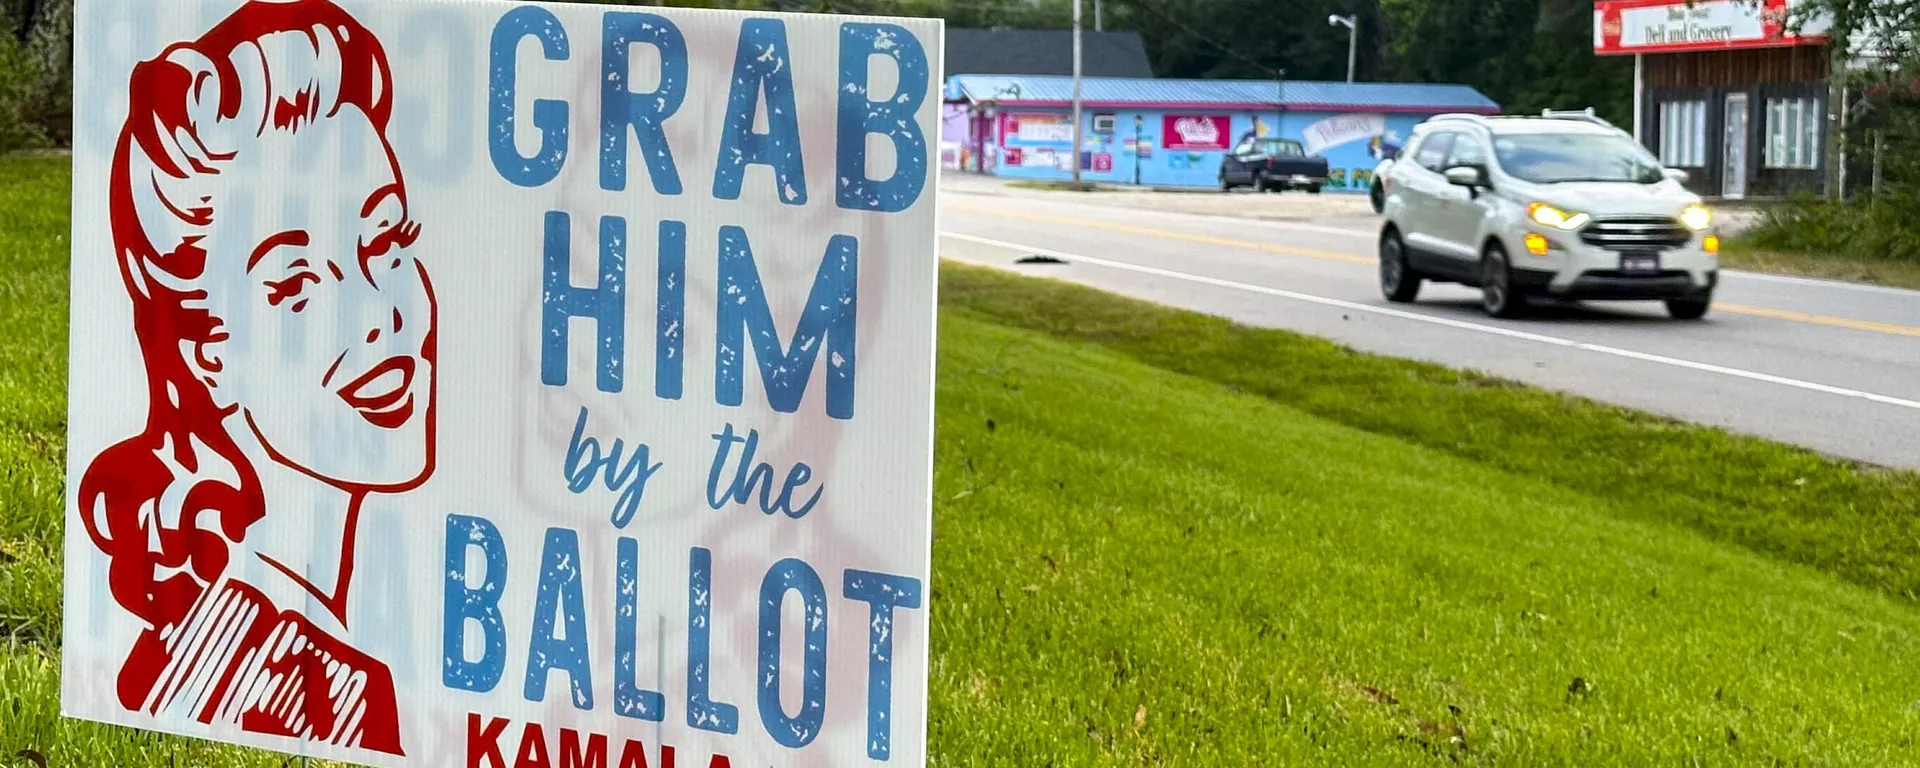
(1185, 149)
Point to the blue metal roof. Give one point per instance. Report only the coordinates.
(1013, 90)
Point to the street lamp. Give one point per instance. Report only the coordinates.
(1352, 23)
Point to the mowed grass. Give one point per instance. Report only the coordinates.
(1161, 539)
(1135, 567)
(1859, 523)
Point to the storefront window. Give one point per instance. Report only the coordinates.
(1683, 134)
(1793, 133)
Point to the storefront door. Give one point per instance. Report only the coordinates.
(1733, 179)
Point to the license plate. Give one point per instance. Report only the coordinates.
(1640, 264)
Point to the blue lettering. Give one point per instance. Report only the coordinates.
(560, 591)
(893, 117)
(549, 115)
(761, 63)
(629, 479)
(741, 488)
(480, 605)
(629, 699)
(702, 711)
(647, 113)
(670, 339)
(749, 476)
(883, 592)
(606, 304)
(798, 730)
(828, 321)
(796, 477)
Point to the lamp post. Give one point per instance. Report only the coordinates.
(1352, 23)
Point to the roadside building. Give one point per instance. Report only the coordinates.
(1177, 133)
(1030, 52)
(1726, 89)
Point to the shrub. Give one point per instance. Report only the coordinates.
(1874, 224)
(20, 93)
(1878, 229)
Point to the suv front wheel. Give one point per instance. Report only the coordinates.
(1497, 294)
(1398, 281)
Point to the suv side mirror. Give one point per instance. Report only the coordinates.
(1677, 175)
(1468, 176)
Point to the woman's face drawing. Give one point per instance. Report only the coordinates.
(329, 319)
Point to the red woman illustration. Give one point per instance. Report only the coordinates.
(289, 359)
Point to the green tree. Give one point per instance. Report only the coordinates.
(1220, 39)
(36, 82)
(1526, 54)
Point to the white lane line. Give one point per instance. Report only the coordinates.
(1447, 322)
(1821, 283)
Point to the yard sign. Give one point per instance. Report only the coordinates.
(503, 384)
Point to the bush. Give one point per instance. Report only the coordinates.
(36, 73)
(1880, 229)
(21, 90)
(1875, 224)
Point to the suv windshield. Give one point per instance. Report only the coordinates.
(1550, 158)
(1281, 148)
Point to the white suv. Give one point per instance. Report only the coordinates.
(1561, 205)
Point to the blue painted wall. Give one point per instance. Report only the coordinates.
(1354, 145)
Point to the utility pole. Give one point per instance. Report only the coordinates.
(1096, 16)
(1279, 100)
(1845, 93)
(1076, 92)
(1639, 93)
(1137, 120)
(1836, 106)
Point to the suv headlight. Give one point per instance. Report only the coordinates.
(1696, 217)
(1549, 216)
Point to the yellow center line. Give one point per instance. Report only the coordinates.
(1133, 229)
(1802, 317)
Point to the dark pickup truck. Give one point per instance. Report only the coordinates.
(1270, 165)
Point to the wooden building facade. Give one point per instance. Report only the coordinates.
(1725, 90)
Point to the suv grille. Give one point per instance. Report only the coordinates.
(1639, 232)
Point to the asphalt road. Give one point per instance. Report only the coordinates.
(1831, 366)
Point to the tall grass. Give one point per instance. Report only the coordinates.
(1882, 229)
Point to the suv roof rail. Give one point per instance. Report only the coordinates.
(1584, 115)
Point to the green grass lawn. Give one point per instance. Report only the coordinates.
(1162, 539)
